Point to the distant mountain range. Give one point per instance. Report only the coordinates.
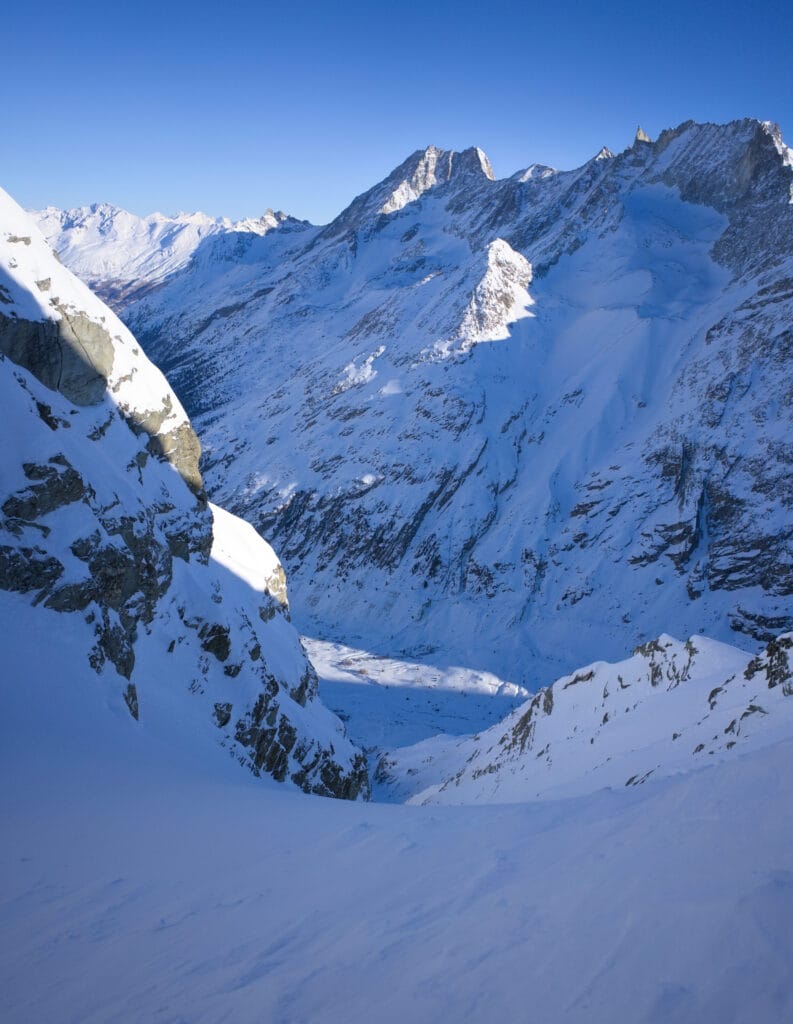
(516, 423)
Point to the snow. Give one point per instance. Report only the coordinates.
(239, 549)
(387, 702)
(143, 881)
(361, 372)
(190, 620)
(518, 363)
(616, 847)
(669, 708)
(42, 289)
(104, 244)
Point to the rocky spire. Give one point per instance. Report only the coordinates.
(641, 135)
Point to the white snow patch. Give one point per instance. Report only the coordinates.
(358, 372)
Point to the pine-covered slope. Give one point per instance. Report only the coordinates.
(109, 546)
(524, 422)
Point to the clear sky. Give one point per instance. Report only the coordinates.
(231, 107)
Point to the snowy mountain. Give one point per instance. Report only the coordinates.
(669, 709)
(413, 386)
(514, 424)
(158, 606)
(123, 256)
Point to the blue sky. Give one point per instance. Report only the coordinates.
(233, 107)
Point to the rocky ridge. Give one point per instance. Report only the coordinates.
(106, 529)
(671, 707)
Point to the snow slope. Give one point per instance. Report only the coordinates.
(168, 610)
(494, 425)
(671, 708)
(145, 882)
(512, 424)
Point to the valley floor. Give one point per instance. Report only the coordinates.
(143, 882)
(389, 703)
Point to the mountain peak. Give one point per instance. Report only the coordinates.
(534, 172)
(641, 135)
(413, 177)
(471, 160)
(427, 168)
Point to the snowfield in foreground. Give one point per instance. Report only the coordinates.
(143, 881)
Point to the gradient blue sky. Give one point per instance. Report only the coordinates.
(233, 107)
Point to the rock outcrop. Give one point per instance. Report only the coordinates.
(103, 517)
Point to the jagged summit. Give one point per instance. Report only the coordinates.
(641, 135)
(423, 171)
(471, 161)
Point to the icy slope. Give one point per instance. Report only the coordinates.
(121, 255)
(518, 424)
(109, 548)
(671, 708)
(143, 883)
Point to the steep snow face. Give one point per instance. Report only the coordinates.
(109, 548)
(670, 708)
(122, 256)
(500, 298)
(612, 463)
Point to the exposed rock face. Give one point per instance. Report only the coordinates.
(73, 355)
(774, 664)
(103, 517)
(529, 421)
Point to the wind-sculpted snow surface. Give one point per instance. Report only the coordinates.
(515, 424)
(109, 546)
(143, 882)
(672, 707)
